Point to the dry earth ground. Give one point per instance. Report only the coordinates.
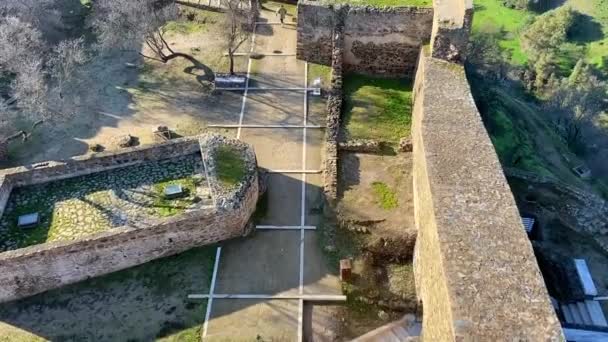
(127, 94)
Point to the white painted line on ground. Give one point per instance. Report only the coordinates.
(301, 320)
(307, 297)
(262, 88)
(265, 126)
(303, 213)
(273, 23)
(294, 171)
(238, 132)
(286, 227)
(273, 54)
(218, 252)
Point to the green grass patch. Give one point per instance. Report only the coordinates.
(384, 3)
(491, 16)
(386, 198)
(230, 166)
(319, 71)
(377, 108)
(184, 27)
(143, 303)
(594, 32)
(165, 207)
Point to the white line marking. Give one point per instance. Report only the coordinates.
(238, 133)
(218, 252)
(272, 23)
(301, 320)
(308, 297)
(303, 212)
(286, 227)
(294, 171)
(262, 88)
(265, 126)
(262, 53)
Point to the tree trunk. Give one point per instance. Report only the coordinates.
(231, 55)
(179, 54)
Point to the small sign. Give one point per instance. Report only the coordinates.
(28, 220)
(174, 191)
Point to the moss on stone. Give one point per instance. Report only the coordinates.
(76, 207)
(230, 166)
(166, 207)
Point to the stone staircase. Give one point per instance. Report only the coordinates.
(405, 329)
(587, 312)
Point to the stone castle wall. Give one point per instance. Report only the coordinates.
(31, 270)
(475, 269)
(334, 112)
(476, 273)
(92, 163)
(378, 41)
(385, 41)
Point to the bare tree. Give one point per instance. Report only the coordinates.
(126, 24)
(33, 77)
(236, 29)
(39, 13)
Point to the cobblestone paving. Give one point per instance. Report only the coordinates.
(76, 207)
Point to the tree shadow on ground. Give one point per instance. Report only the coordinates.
(585, 30)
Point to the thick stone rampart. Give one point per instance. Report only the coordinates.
(476, 273)
(451, 28)
(378, 41)
(27, 271)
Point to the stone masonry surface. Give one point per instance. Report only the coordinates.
(476, 273)
(451, 28)
(76, 207)
(34, 269)
(334, 111)
(378, 41)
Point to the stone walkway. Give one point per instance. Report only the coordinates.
(261, 283)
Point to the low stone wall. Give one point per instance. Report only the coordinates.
(5, 192)
(361, 145)
(475, 270)
(334, 111)
(92, 163)
(31, 270)
(377, 41)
